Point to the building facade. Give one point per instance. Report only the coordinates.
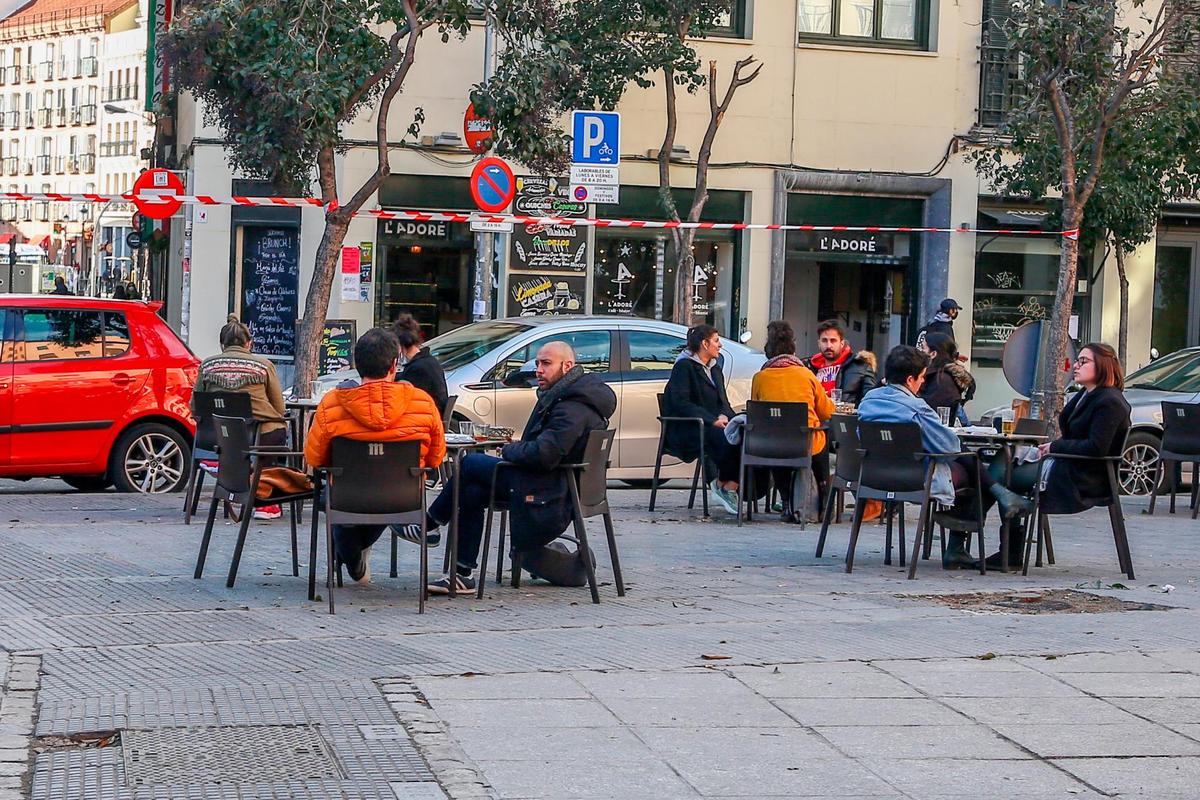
(53, 136)
(862, 115)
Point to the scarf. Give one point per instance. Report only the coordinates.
(942, 316)
(550, 396)
(783, 362)
(828, 371)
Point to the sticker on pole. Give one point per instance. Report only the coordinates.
(492, 185)
(158, 183)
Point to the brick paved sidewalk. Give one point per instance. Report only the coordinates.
(738, 665)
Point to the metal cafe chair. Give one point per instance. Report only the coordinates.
(844, 444)
(438, 476)
(895, 468)
(697, 477)
(240, 467)
(1041, 534)
(372, 483)
(774, 435)
(587, 482)
(1180, 445)
(204, 448)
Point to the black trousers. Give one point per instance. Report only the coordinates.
(727, 457)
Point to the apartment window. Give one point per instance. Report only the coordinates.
(886, 23)
(999, 71)
(732, 23)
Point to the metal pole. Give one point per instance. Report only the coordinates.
(485, 243)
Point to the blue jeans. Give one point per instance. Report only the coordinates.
(475, 483)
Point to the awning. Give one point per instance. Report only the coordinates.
(1015, 218)
(6, 238)
(43, 242)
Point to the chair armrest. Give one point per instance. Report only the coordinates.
(334, 471)
(698, 420)
(1072, 457)
(270, 451)
(942, 456)
(573, 466)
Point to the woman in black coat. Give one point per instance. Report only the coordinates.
(421, 369)
(696, 388)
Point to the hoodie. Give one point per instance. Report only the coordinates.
(379, 411)
(893, 403)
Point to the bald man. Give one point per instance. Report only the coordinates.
(571, 404)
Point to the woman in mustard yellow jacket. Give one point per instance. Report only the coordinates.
(785, 379)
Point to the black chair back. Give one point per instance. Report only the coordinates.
(234, 471)
(208, 404)
(1028, 426)
(776, 431)
(844, 429)
(593, 479)
(448, 411)
(662, 405)
(1181, 428)
(888, 462)
(376, 477)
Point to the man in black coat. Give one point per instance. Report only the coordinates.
(942, 322)
(696, 388)
(571, 404)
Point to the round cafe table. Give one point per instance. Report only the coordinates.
(457, 451)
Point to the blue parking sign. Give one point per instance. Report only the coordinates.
(596, 137)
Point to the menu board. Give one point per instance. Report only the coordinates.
(535, 247)
(534, 295)
(337, 345)
(271, 288)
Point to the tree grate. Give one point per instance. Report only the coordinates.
(218, 755)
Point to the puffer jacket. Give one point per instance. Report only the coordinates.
(378, 411)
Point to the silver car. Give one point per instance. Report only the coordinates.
(489, 366)
(1174, 378)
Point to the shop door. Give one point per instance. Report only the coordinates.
(1176, 297)
(431, 282)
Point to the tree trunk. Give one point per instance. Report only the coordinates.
(1123, 329)
(316, 304)
(1052, 380)
(685, 271)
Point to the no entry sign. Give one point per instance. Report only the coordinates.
(477, 130)
(162, 183)
(492, 185)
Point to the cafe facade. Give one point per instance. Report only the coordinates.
(880, 141)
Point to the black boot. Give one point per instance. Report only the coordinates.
(1016, 548)
(956, 555)
(1011, 504)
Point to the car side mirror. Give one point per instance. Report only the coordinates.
(1153, 353)
(523, 378)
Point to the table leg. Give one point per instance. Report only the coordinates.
(1005, 525)
(452, 533)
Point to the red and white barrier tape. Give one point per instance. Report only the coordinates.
(450, 216)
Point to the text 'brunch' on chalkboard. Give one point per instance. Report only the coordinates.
(271, 288)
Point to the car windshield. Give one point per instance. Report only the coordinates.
(1178, 372)
(464, 345)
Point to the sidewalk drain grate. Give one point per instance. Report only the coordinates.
(181, 756)
(1051, 601)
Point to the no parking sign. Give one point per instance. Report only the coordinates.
(492, 185)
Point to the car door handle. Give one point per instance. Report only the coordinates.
(121, 379)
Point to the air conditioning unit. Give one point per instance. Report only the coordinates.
(445, 139)
(678, 153)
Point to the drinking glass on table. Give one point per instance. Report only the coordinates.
(1006, 426)
(944, 415)
(836, 397)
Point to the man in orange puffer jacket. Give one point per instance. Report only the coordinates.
(377, 410)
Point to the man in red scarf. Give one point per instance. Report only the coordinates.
(837, 366)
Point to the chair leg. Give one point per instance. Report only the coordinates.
(1175, 467)
(900, 530)
(825, 521)
(243, 530)
(1048, 538)
(859, 508)
(1158, 477)
(927, 550)
(329, 561)
(657, 472)
(191, 492)
(841, 505)
(1034, 521)
(741, 496)
(500, 550)
(922, 524)
(483, 554)
(199, 488)
(293, 508)
(312, 556)
(1195, 489)
(515, 578)
(887, 547)
(208, 526)
(612, 554)
(585, 552)
(394, 571)
(695, 483)
(702, 478)
(423, 592)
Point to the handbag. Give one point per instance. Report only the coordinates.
(281, 480)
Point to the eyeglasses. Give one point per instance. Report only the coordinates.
(1084, 360)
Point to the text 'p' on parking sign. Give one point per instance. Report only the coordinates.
(492, 185)
(596, 137)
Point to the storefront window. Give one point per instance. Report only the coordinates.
(1016, 278)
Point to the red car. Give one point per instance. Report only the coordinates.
(95, 392)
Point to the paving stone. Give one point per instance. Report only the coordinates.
(957, 777)
(1039, 710)
(1083, 740)
(518, 686)
(589, 778)
(1139, 777)
(822, 680)
(828, 711)
(1132, 684)
(1164, 710)
(973, 742)
(553, 713)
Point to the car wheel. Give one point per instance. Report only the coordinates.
(87, 483)
(150, 459)
(1139, 464)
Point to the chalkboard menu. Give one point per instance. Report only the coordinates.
(537, 247)
(337, 345)
(535, 295)
(271, 288)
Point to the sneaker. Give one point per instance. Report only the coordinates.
(725, 498)
(463, 584)
(360, 573)
(268, 512)
(210, 467)
(412, 533)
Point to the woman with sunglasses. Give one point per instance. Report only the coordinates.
(1094, 422)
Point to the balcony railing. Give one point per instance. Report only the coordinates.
(60, 116)
(73, 165)
(47, 70)
(999, 69)
(3, 76)
(29, 118)
(11, 165)
(87, 163)
(43, 165)
(27, 166)
(124, 147)
(60, 164)
(43, 210)
(12, 74)
(12, 119)
(44, 117)
(87, 114)
(30, 73)
(88, 66)
(8, 211)
(124, 91)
